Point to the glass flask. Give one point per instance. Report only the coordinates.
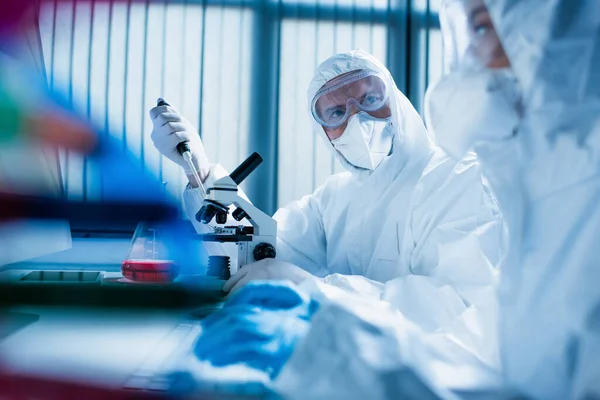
(148, 259)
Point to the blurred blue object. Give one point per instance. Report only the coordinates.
(123, 178)
(258, 326)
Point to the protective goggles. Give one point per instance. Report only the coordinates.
(364, 89)
(470, 39)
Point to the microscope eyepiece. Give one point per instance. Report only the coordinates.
(245, 168)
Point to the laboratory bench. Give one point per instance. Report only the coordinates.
(67, 317)
(89, 274)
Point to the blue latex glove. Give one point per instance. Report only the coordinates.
(258, 326)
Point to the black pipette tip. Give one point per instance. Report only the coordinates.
(183, 147)
(161, 102)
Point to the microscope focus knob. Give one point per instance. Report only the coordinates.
(264, 250)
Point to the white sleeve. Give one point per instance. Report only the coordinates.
(301, 236)
(356, 284)
(458, 235)
(458, 231)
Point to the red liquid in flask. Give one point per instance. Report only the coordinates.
(150, 271)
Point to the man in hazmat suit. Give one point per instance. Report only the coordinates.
(403, 209)
(523, 92)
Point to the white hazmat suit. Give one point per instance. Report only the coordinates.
(550, 287)
(545, 173)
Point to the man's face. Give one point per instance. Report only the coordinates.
(335, 104)
(483, 41)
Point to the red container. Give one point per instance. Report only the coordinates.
(151, 271)
(148, 259)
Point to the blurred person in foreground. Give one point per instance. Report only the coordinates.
(524, 94)
(28, 114)
(532, 88)
(32, 129)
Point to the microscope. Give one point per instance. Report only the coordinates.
(255, 242)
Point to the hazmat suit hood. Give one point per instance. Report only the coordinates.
(411, 140)
(554, 50)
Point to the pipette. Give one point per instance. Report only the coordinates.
(184, 149)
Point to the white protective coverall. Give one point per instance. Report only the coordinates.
(420, 231)
(550, 299)
(546, 178)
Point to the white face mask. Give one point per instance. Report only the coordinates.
(463, 109)
(366, 141)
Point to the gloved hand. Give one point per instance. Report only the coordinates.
(258, 326)
(170, 129)
(267, 269)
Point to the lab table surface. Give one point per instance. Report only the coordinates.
(105, 347)
(93, 330)
(76, 321)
